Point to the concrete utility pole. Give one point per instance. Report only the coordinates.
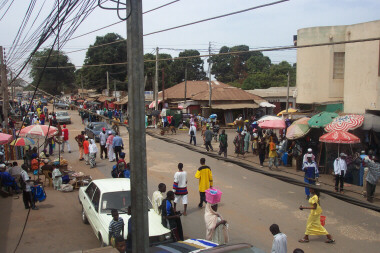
(108, 84)
(287, 94)
(185, 81)
(4, 87)
(209, 78)
(114, 88)
(163, 86)
(156, 84)
(137, 138)
(81, 81)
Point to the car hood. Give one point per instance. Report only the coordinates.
(154, 221)
(63, 117)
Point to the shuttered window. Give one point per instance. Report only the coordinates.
(338, 72)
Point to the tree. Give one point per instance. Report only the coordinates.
(96, 76)
(53, 81)
(150, 70)
(195, 68)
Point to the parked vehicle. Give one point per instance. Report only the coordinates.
(103, 195)
(93, 130)
(44, 101)
(63, 117)
(60, 105)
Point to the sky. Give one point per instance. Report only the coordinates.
(265, 27)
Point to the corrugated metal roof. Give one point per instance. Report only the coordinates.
(229, 106)
(273, 92)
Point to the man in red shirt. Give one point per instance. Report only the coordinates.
(42, 119)
(86, 149)
(65, 137)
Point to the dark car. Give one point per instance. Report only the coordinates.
(93, 130)
(44, 102)
(60, 105)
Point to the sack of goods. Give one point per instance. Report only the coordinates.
(213, 195)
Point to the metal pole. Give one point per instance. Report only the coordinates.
(156, 84)
(114, 88)
(81, 80)
(4, 88)
(137, 138)
(287, 94)
(163, 87)
(185, 82)
(209, 79)
(108, 84)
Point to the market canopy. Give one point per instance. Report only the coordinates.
(322, 119)
(38, 131)
(339, 137)
(5, 138)
(345, 123)
(290, 110)
(23, 141)
(273, 124)
(298, 129)
(371, 122)
(267, 104)
(267, 118)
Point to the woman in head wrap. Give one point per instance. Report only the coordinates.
(93, 149)
(216, 227)
(111, 153)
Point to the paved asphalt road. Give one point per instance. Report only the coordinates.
(251, 202)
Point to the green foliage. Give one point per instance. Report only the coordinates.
(96, 77)
(53, 81)
(150, 70)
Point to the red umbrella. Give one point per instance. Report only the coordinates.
(5, 138)
(339, 137)
(345, 123)
(38, 130)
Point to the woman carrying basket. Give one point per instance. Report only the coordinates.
(313, 225)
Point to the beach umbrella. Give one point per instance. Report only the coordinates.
(322, 119)
(38, 131)
(345, 123)
(290, 110)
(268, 118)
(273, 124)
(339, 137)
(5, 138)
(23, 141)
(298, 129)
(153, 104)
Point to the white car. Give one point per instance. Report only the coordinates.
(100, 196)
(63, 117)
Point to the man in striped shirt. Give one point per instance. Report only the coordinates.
(116, 226)
(180, 188)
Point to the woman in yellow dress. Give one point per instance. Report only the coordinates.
(314, 226)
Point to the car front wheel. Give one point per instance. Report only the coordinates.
(84, 217)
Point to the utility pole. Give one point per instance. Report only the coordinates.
(137, 138)
(108, 84)
(114, 88)
(287, 94)
(209, 78)
(81, 81)
(156, 84)
(4, 87)
(185, 82)
(163, 87)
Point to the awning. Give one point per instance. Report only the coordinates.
(89, 99)
(371, 122)
(266, 104)
(235, 106)
(104, 98)
(122, 101)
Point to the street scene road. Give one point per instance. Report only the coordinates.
(251, 202)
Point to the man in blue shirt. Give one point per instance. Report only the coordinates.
(311, 172)
(117, 145)
(171, 219)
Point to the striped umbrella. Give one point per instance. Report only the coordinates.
(345, 123)
(339, 137)
(38, 131)
(298, 129)
(22, 141)
(5, 138)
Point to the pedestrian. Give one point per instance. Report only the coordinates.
(279, 244)
(157, 198)
(313, 225)
(273, 157)
(362, 166)
(80, 139)
(255, 142)
(208, 138)
(27, 195)
(65, 134)
(57, 179)
(86, 151)
(261, 149)
(193, 134)
(171, 219)
(298, 250)
(117, 145)
(42, 119)
(223, 143)
(216, 226)
(311, 171)
(7, 180)
(130, 232)
(247, 138)
(111, 153)
(120, 244)
(103, 142)
(372, 178)
(239, 144)
(93, 149)
(340, 169)
(180, 188)
(204, 175)
(309, 152)
(116, 227)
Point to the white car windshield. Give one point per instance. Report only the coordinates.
(62, 114)
(117, 200)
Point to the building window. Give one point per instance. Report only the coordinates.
(338, 72)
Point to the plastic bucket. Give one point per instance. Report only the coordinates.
(213, 195)
(323, 220)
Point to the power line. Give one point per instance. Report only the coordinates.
(239, 52)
